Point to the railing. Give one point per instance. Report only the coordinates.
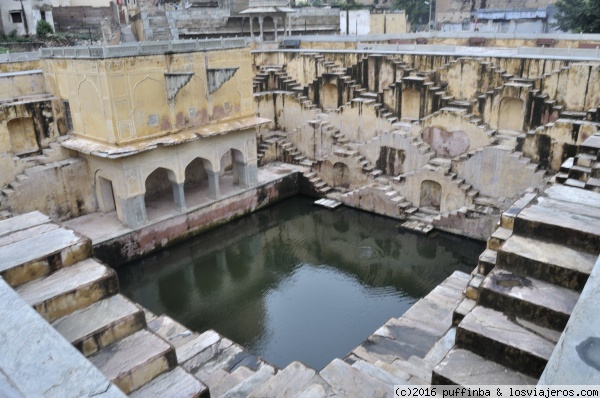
(269, 3)
(143, 48)
(547, 52)
(19, 57)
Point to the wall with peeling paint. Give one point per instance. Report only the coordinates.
(124, 100)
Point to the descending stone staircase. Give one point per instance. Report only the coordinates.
(583, 171)
(380, 197)
(528, 281)
(53, 158)
(51, 269)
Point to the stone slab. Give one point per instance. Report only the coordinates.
(21, 222)
(347, 381)
(554, 263)
(441, 348)
(252, 383)
(316, 388)
(575, 359)
(378, 373)
(135, 360)
(175, 333)
(38, 362)
(197, 345)
(545, 303)
(196, 362)
(495, 336)
(70, 289)
(37, 247)
(574, 230)
(101, 323)
(174, 384)
(230, 381)
(462, 367)
(286, 382)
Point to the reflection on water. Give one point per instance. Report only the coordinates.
(297, 282)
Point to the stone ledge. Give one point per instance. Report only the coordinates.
(37, 361)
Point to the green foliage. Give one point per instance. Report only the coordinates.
(579, 16)
(43, 28)
(350, 5)
(417, 11)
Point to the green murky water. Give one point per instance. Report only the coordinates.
(295, 281)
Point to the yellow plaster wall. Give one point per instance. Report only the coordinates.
(123, 100)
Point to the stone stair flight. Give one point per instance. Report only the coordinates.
(527, 283)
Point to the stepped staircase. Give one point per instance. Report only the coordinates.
(583, 171)
(50, 268)
(527, 282)
(55, 156)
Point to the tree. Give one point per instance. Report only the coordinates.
(417, 11)
(44, 28)
(579, 16)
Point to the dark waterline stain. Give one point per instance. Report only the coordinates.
(589, 352)
(297, 282)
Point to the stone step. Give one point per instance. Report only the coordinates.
(462, 367)
(197, 345)
(286, 382)
(560, 265)
(563, 215)
(173, 332)
(415, 367)
(377, 372)
(498, 238)
(496, 337)
(343, 378)
(69, 289)
(487, 261)
(101, 324)
(462, 310)
(135, 360)
(230, 381)
(174, 384)
(31, 246)
(252, 383)
(544, 303)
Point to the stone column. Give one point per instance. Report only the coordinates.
(247, 174)
(251, 27)
(260, 22)
(213, 184)
(275, 24)
(178, 196)
(133, 211)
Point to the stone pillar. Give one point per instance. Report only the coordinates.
(260, 22)
(251, 27)
(275, 24)
(133, 211)
(213, 184)
(247, 174)
(178, 196)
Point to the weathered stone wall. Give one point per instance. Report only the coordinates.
(15, 85)
(81, 18)
(506, 173)
(61, 190)
(122, 100)
(387, 22)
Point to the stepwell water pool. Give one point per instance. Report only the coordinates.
(295, 281)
